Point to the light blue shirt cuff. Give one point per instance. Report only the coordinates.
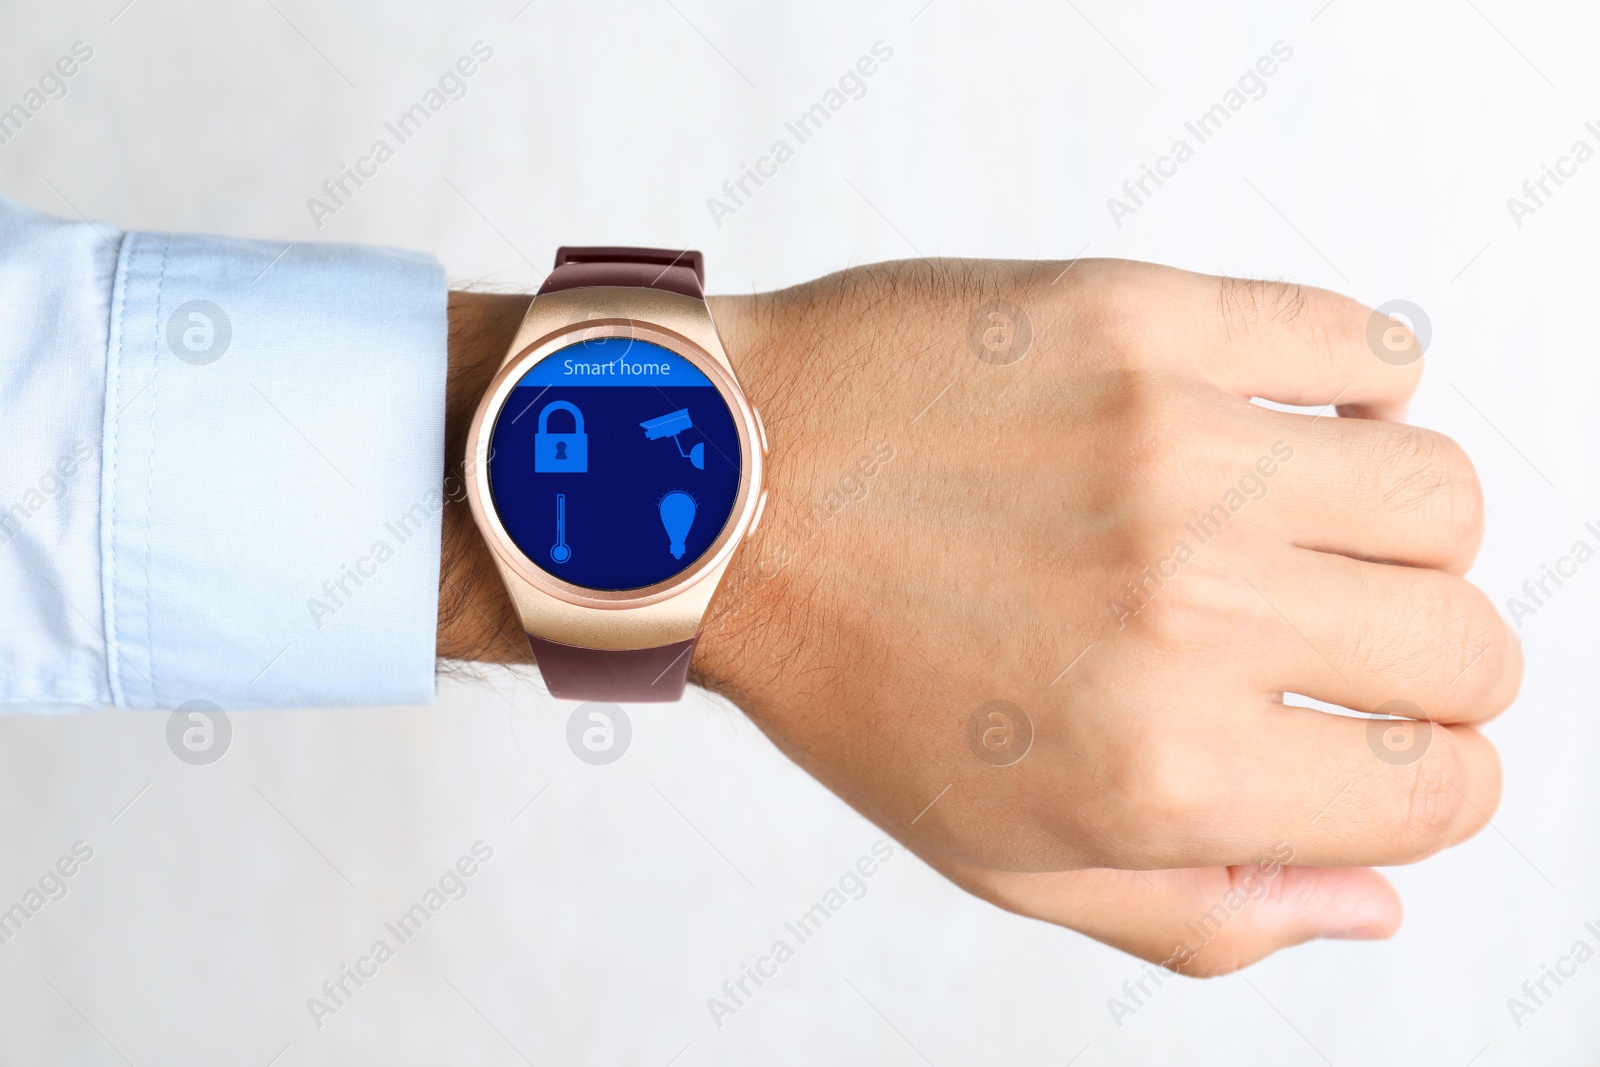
(265, 523)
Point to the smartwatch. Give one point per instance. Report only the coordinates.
(614, 466)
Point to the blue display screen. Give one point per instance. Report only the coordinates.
(614, 464)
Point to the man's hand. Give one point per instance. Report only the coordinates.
(1035, 575)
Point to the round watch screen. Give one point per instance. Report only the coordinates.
(614, 464)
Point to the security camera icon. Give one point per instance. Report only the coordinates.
(671, 425)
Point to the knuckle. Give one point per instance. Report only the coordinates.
(1193, 610)
(1223, 955)
(1155, 434)
(1177, 616)
(1480, 651)
(1235, 935)
(1433, 802)
(1122, 289)
(1160, 791)
(1114, 313)
(1464, 494)
(1428, 471)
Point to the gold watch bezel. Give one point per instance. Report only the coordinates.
(603, 620)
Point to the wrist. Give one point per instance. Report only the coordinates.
(739, 647)
(476, 617)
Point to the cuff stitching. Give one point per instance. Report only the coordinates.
(150, 473)
(108, 472)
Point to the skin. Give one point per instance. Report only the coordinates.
(1170, 803)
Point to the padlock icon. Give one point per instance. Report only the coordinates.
(561, 453)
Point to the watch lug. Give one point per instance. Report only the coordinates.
(552, 313)
(647, 626)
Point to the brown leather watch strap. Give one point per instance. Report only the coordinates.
(641, 675)
(646, 268)
(637, 675)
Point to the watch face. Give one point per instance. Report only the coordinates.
(614, 464)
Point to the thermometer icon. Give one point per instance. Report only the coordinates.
(560, 552)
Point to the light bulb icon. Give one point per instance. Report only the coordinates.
(677, 515)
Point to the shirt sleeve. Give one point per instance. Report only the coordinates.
(220, 471)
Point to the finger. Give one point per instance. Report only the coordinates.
(1295, 344)
(1201, 921)
(1342, 790)
(1376, 491)
(1363, 635)
(1207, 788)
(1369, 796)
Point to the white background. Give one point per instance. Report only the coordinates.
(1378, 162)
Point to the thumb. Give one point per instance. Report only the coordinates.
(1199, 921)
